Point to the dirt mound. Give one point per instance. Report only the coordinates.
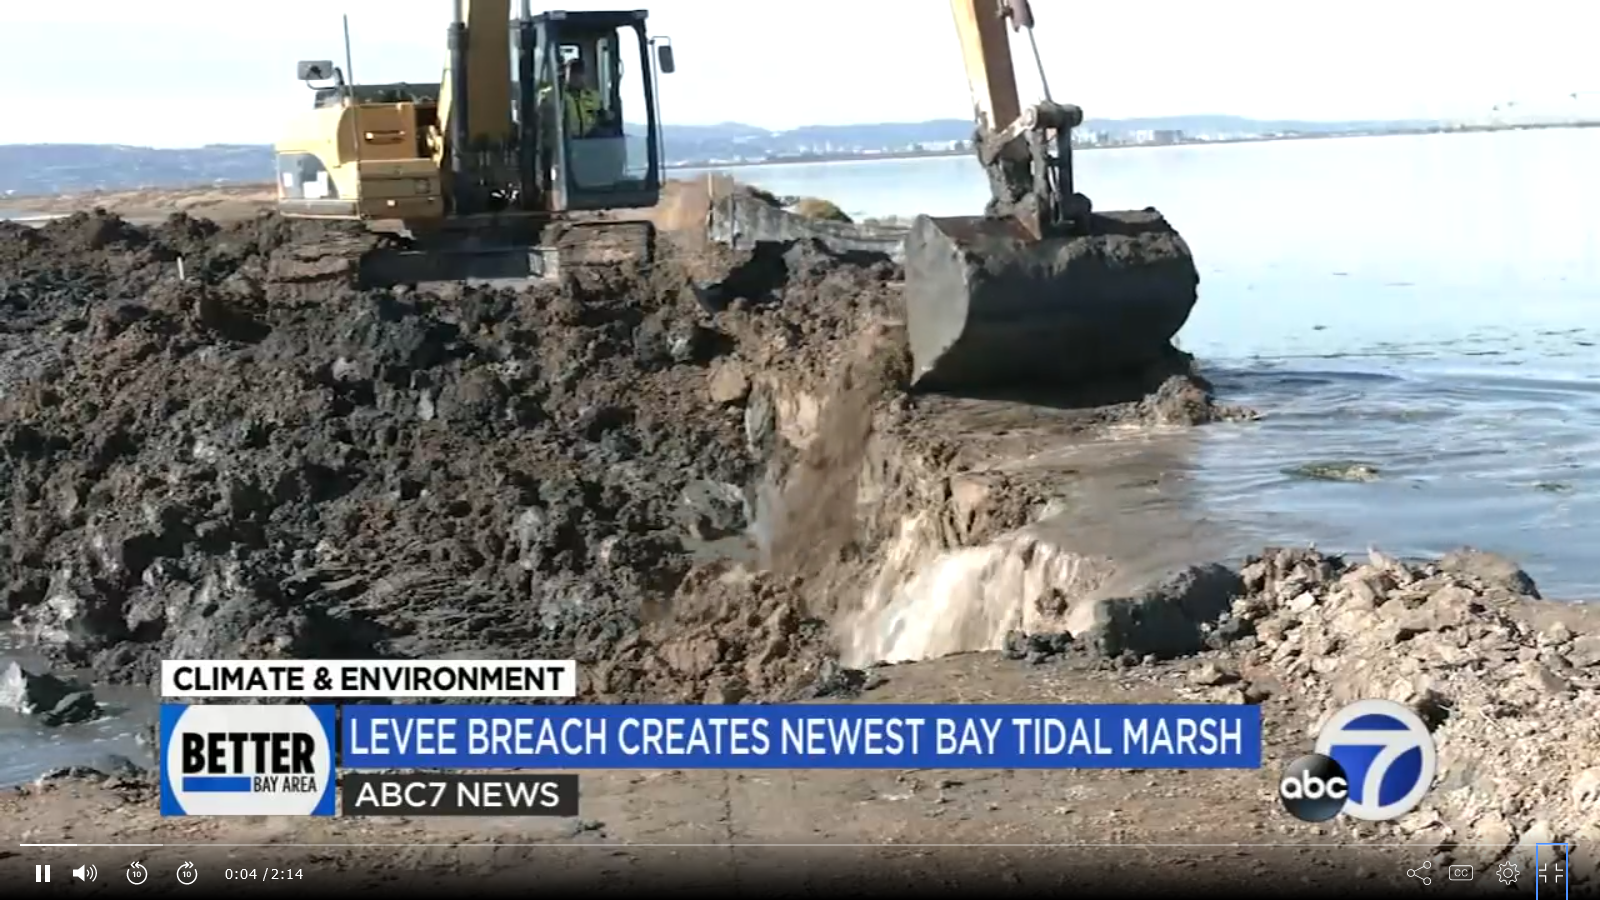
(221, 466)
(1513, 707)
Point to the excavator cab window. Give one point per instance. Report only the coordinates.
(598, 135)
(610, 123)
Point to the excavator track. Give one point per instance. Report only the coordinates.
(508, 261)
(604, 244)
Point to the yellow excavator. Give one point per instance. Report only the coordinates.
(1040, 289)
(474, 168)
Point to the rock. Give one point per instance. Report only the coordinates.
(1260, 690)
(729, 384)
(72, 710)
(1539, 832)
(1036, 648)
(714, 510)
(1209, 674)
(1232, 630)
(1493, 834)
(817, 208)
(82, 612)
(838, 682)
(1544, 681)
(1364, 594)
(1491, 569)
(56, 701)
(724, 693)
(1586, 788)
(111, 765)
(1584, 651)
(1164, 621)
(760, 422)
(1254, 575)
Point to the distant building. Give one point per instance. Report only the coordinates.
(1157, 136)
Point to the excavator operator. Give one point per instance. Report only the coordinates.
(582, 101)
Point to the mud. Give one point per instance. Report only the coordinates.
(243, 463)
(216, 447)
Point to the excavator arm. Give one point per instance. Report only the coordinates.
(1026, 152)
(1039, 292)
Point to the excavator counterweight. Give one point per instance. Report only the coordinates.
(1041, 290)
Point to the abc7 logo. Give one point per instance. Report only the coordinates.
(1375, 760)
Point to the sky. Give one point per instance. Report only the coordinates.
(176, 73)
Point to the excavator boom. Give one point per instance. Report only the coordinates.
(986, 53)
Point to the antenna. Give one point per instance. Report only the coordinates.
(349, 65)
(355, 111)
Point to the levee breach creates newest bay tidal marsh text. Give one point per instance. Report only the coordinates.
(802, 736)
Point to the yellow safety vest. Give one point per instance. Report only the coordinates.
(583, 111)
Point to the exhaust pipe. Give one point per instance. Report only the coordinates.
(457, 40)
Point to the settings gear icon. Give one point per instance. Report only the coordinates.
(1508, 873)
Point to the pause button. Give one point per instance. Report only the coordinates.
(41, 873)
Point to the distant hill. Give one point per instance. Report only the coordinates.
(63, 168)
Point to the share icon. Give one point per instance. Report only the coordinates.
(1417, 873)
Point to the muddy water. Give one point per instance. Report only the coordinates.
(26, 749)
(1425, 332)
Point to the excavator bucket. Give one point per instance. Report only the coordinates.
(990, 307)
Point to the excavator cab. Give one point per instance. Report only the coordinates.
(593, 73)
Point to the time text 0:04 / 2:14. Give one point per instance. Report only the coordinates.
(268, 874)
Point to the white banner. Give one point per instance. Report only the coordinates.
(464, 679)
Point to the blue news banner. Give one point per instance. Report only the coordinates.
(233, 760)
(870, 736)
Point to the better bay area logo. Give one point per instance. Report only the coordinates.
(247, 760)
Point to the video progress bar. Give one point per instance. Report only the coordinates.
(554, 845)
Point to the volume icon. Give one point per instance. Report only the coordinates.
(85, 873)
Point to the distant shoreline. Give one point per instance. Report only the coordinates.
(1263, 139)
(22, 206)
